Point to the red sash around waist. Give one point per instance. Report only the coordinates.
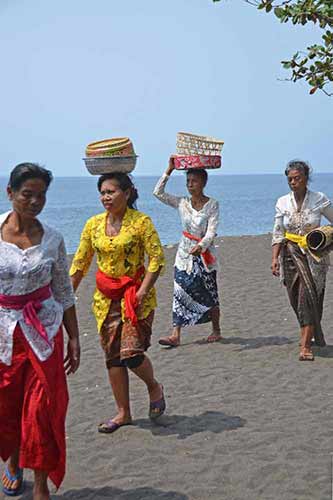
(207, 256)
(30, 303)
(124, 287)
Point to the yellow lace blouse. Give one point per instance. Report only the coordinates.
(119, 255)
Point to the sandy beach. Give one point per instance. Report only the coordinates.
(245, 418)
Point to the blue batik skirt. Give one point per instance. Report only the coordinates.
(194, 296)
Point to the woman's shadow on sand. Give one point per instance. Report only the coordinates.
(185, 426)
(110, 493)
(323, 352)
(248, 343)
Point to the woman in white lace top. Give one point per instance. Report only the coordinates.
(297, 213)
(195, 298)
(36, 297)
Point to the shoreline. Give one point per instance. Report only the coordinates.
(219, 238)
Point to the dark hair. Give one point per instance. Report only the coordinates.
(300, 166)
(26, 171)
(200, 172)
(125, 182)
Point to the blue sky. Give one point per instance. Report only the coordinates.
(77, 71)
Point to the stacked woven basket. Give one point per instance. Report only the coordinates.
(110, 155)
(197, 151)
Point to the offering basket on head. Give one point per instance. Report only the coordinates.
(197, 151)
(110, 156)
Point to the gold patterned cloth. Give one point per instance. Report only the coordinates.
(120, 255)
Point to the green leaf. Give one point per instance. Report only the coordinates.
(279, 12)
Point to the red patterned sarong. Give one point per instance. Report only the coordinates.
(33, 406)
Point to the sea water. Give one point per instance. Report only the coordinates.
(246, 203)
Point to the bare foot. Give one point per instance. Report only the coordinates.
(214, 337)
(306, 354)
(171, 341)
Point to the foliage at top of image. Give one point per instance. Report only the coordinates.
(315, 65)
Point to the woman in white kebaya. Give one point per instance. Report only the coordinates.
(297, 213)
(195, 299)
(36, 298)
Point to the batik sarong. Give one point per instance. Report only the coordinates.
(122, 340)
(305, 281)
(195, 294)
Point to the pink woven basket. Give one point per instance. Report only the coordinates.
(185, 162)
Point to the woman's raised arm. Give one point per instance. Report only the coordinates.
(159, 189)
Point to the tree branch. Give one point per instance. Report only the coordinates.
(319, 72)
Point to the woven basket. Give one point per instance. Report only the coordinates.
(110, 165)
(97, 153)
(185, 162)
(118, 146)
(191, 144)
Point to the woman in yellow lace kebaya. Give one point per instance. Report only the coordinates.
(125, 298)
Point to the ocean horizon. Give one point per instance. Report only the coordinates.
(247, 203)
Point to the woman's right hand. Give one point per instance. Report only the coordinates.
(171, 166)
(275, 267)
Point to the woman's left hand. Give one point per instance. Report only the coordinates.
(72, 359)
(140, 295)
(196, 250)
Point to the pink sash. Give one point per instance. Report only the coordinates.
(31, 303)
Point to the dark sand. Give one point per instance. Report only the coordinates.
(245, 419)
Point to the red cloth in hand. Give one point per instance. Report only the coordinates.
(207, 256)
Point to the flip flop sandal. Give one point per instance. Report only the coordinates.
(110, 426)
(306, 356)
(169, 342)
(13, 492)
(214, 338)
(157, 408)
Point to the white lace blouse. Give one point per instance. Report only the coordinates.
(202, 223)
(288, 219)
(24, 271)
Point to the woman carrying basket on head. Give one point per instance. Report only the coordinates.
(125, 298)
(195, 298)
(297, 213)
